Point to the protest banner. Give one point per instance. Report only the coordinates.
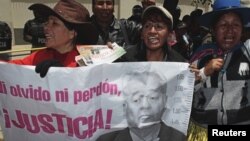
(72, 104)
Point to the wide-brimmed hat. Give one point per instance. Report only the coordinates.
(224, 6)
(164, 11)
(74, 13)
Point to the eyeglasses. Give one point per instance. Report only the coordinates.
(157, 26)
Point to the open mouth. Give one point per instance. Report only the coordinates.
(153, 39)
(141, 125)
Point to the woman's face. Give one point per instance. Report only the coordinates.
(58, 36)
(155, 32)
(228, 31)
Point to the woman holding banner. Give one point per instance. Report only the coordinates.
(67, 25)
(222, 98)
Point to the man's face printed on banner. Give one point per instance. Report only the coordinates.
(145, 101)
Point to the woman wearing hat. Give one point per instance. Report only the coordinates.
(157, 24)
(223, 97)
(67, 25)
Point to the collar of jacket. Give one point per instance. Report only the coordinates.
(115, 24)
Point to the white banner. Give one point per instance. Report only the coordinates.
(72, 104)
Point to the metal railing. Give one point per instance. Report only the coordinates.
(20, 50)
(17, 53)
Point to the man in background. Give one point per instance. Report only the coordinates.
(137, 10)
(111, 29)
(136, 14)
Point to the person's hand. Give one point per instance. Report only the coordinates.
(44, 66)
(193, 68)
(109, 44)
(213, 65)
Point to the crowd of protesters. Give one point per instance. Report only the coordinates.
(184, 37)
(215, 41)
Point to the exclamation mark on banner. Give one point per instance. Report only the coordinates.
(3, 88)
(108, 119)
(7, 119)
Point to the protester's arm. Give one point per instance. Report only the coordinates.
(196, 71)
(212, 66)
(43, 67)
(23, 61)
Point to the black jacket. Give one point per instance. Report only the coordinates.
(122, 31)
(138, 54)
(166, 134)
